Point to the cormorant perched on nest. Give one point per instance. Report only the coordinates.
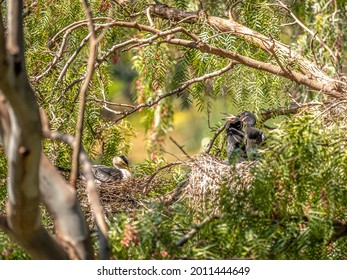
(234, 140)
(120, 171)
(253, 137)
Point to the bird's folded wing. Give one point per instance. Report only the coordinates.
(105, 174)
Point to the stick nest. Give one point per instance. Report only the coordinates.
(209, 173)
(122, 196)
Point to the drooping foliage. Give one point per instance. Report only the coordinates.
(294, 205)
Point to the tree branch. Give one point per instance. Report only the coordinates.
(177, 90)
(193, 231)
(90, 188)
(110, 103)
(24, 144)
(180, 147)
(314, 79)
(303, 26)
(294, 108)
(83, 92)
(257, 39)
(69, 222)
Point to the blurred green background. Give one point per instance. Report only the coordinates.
(190, 128)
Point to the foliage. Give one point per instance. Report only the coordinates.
(299, 185)
(289, 211)
(3, 179)
(328, 24)
(9, 250)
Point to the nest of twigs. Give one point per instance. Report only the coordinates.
(335, 111)
(122, 196)
(208, 174)
(116, 197)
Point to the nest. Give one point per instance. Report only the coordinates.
(122, 196)
(336, 111)
(209, 173)
(119, 196)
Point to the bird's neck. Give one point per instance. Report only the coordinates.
(126, 173)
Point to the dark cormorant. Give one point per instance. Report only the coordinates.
(106, 174)
(253, 137)
(235, 147)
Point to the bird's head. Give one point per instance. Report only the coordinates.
(121, 162)
(248, 118)
(231, 118)
(233, 121)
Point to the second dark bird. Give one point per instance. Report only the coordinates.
(235, 147)
(253, 137)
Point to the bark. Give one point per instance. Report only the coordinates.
(61, 202)
(21, 134)
(72, 231)
(23, 145)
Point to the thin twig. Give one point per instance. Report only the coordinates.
(70, 60)
(77, 147)
(110, 103)
(180, 147)
(230, 12)
(176, 193)
(150, 179)
(193, 231)
(75, 25)
(328, 109)
(140, 42)
(178, 90)
(148, 13)
(134, 42)
(312, 49)
(268, 114)
(68, 30)
(210, 145)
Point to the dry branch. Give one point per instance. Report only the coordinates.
(256, 38)
(218, 132)
(193, 231)
(22, 133)
(83, 93)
